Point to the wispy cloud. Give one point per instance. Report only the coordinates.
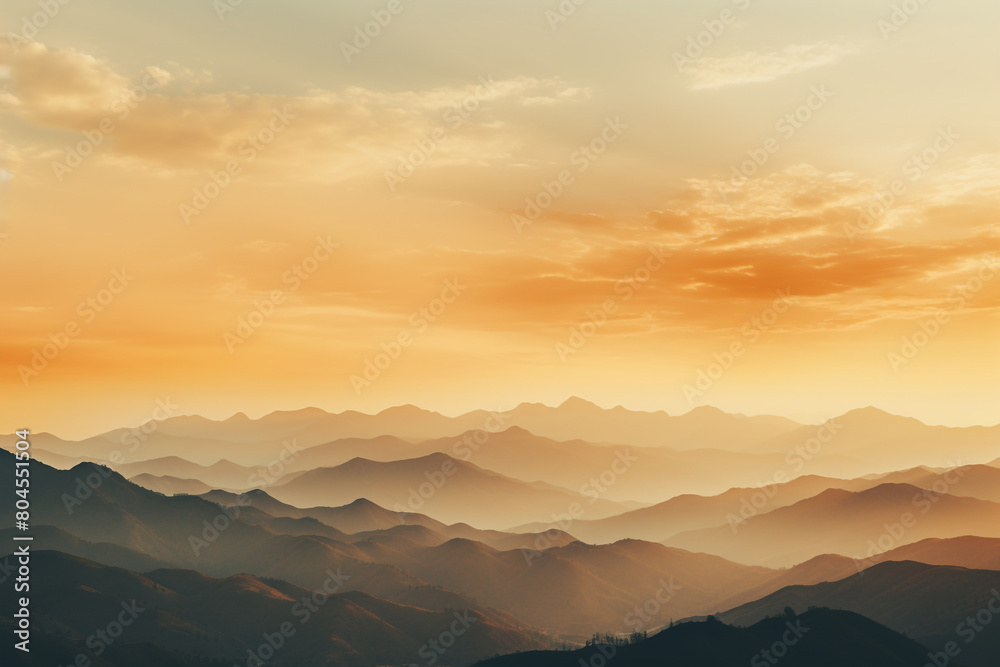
(758, 66)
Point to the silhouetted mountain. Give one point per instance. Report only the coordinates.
(828, 567)
(447, 488)
(570, 589)
(577, 588)
(817, 638)
(50, 538)
(704, 427)
(171, 486)
(256, 441)
(884, 441)
(933, 604)
(692, 512)
(975, 553)
(646, 474)
(222, 474)
(363, 517)
(972, 481)
(187, 612)
(98, 505)
(850, 524)
(48, 649)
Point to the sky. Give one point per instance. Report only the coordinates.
(769, 206)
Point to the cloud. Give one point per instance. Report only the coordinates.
(759, 67)
(163, 120)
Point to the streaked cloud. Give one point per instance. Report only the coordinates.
(762, 66)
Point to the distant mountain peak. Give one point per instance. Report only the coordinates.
(577, 403)
(407, 409)
(706, 410)
(515, 430)
(363, 503)
(871, 413)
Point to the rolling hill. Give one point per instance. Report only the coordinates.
(889, 442)
(930, 603)
(451, 490)
(692, 512)
(855, 524)
(817, 638)
(187, 612)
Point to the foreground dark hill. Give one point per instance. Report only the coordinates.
(189, 613)
(822, 638)
(932, 604)
(974, 553)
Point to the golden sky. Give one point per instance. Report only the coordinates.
(813, 186)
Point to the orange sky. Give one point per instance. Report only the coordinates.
(479, 180)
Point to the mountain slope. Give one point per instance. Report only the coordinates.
(190, 613)
(929, 603)
(817, 638)
(975, 553)
(692, 512)
(171, 486)
(850, 524)
(451, 490)
(363, 517)
(889, 442)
